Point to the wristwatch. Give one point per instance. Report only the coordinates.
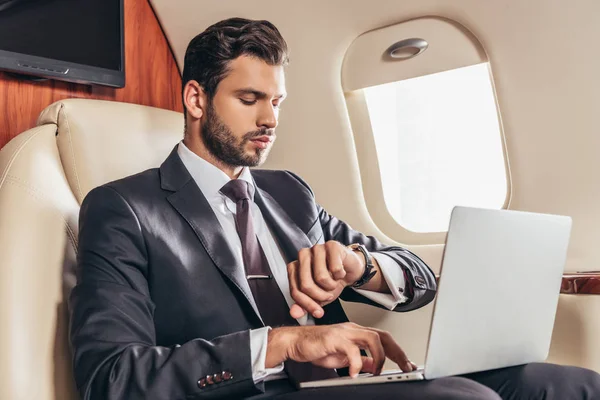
(370, 269)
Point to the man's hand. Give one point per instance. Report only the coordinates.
(336, 346)
(320, 275)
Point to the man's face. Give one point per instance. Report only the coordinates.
(240, 121)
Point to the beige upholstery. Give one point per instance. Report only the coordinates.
(44, 174)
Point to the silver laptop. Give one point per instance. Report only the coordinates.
(497, 295)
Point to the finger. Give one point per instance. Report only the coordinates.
(393, 350)
(335, 260)
(296, 311)
(368, 365)
(305, 275)
(370, 340)
(354, 358)
(413, 365)
(320, 272)
(300, 298)
(305, 303)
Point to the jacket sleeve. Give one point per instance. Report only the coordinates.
(419, 278)
(115, 356)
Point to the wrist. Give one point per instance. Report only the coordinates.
(278, 342)
(369, 266)
(361, 271)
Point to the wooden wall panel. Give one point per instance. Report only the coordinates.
(582, 283)
(151, 77)
(576, 284)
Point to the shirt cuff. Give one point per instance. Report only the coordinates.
(394, 277)
(258, 353)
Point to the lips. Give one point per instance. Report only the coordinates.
(264, 138)
(262, 141)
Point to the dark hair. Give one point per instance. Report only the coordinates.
(208, 54)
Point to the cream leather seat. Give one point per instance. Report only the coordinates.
(45, 173)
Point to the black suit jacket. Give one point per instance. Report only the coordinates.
(160, 300)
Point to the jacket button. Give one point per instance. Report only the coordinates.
(202, 383)
(218, 378)
(209, 379)
(227, 375)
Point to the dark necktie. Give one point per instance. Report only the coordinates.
(268, 297)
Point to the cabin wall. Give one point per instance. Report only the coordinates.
(151, 75)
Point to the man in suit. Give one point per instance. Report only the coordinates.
(203, 279)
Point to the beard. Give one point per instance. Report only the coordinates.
(226, 147)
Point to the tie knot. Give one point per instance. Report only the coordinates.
(237, 189)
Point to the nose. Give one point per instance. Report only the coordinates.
(268, 117)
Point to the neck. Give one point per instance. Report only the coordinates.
(198, 148)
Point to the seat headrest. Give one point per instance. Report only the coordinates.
(101, 141)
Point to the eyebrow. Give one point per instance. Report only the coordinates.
(257, 93)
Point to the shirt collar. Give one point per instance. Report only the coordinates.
(208, 177)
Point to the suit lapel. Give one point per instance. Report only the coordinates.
(191, 204)
(288, 234)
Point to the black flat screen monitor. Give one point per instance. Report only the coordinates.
(73, 40)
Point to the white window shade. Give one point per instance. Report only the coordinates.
(439, 145)
(427, 129)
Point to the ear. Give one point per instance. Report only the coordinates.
(194, 99)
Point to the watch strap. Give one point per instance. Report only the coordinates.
(370, 269)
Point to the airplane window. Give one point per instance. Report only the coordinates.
(438, 144)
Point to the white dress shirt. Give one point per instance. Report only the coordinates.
(210, 180)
